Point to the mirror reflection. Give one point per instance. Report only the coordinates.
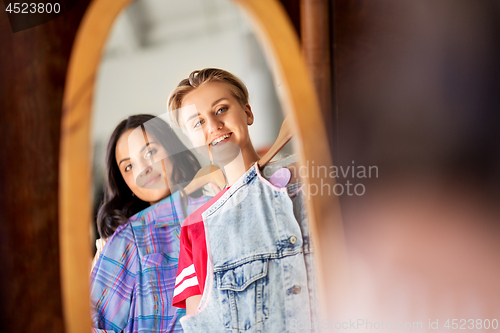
(188, 205)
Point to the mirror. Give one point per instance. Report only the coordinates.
(297, 97)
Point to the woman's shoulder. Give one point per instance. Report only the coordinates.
(139, 227)
(129, 237)
(157, 209)
(170, 211)
(119, 250)
(122, 239)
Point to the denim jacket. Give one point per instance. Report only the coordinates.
(260, 268)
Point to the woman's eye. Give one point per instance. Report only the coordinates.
(150, 153)
(198, 124)
(221, 110)
(128, 168)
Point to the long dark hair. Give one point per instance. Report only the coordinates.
(119, 203)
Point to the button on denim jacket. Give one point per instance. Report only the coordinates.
(260, 268)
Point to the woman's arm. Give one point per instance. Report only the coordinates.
(112, 282)
(99, 244)
(192, 303)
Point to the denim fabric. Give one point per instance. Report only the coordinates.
(260, 270)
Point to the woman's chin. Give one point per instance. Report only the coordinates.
(155, 195)
(225, 153)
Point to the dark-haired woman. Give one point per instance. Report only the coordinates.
(133, 278)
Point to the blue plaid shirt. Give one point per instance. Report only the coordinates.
(132, 283)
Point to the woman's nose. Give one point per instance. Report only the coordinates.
(144, 168)
(147, 170)
(143, 173)
(214, 125)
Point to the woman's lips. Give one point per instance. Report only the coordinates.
(226, 137)
(151, 181)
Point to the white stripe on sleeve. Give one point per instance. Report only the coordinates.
(186, 284)
(185, 272)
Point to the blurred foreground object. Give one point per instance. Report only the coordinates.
(418, 96)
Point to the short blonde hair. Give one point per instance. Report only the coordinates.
(198, 78)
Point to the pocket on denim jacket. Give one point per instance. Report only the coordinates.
(243, 294)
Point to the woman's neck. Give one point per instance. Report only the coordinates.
(237, 167)
(151, 203)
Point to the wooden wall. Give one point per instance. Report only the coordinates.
(33, 67)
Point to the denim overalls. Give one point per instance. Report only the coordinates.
(260, 269)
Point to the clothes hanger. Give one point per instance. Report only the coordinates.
(207, 174)
(285, 134)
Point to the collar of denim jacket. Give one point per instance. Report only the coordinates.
(242, 181)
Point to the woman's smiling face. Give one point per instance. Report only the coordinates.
(143, 163)
(216, 119)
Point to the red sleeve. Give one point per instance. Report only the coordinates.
(186, 283)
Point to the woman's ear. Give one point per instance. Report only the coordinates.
(249, 113)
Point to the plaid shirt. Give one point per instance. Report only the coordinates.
(132, 283)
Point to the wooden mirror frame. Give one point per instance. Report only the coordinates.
(298, 98)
